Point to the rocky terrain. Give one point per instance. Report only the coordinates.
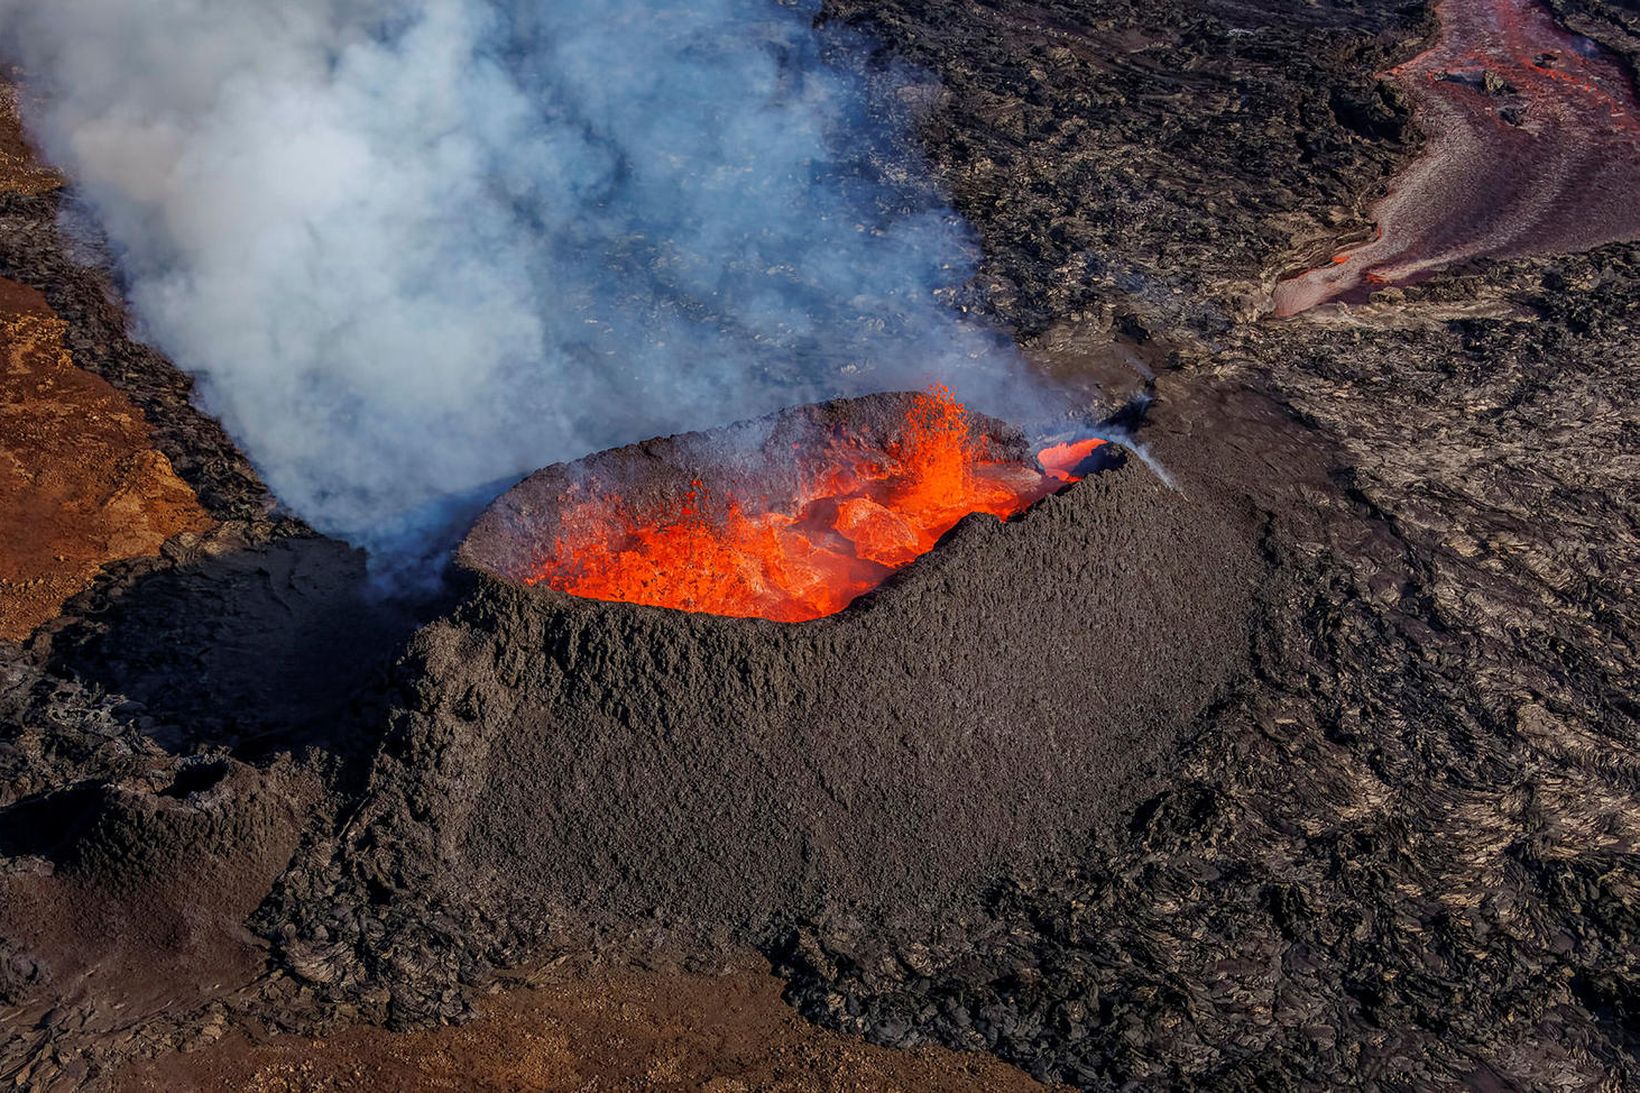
(617, 1030)
(1394, 845)
(86, 486)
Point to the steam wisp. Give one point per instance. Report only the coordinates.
(412, 247)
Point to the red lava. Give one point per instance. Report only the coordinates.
(1534, 148)
(863, 513)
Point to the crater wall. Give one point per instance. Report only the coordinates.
(569, 760)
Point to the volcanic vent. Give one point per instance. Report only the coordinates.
(789, 519)
(560, 760)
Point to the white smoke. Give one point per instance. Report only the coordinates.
(416, 246)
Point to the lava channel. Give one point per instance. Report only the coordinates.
(861, 512)
(1533, 148)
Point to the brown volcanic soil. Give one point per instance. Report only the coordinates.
(70, 276)
(80, 482)
(126, 899)
(609, 1031)
(20, 171)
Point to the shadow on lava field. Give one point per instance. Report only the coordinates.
(248, 645)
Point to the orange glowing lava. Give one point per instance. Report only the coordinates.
(861, 514)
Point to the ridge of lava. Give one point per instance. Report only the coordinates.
(1533, 148)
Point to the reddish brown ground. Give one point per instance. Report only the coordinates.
(80, 481)
(610, 1032)
(1533, 148)
(20, 172)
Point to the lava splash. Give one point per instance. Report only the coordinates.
(861, 509)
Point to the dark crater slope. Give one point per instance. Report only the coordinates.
(243, 639)
(559, 760)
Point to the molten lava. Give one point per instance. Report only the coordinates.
(861, 513)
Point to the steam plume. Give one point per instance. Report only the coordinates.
(417, 246)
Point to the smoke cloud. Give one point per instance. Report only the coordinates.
(412, 247)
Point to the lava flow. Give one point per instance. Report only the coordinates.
(861, 513)
(1534, 148)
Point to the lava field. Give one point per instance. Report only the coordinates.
(1265, 720)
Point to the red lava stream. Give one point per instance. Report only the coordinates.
(1533, 148)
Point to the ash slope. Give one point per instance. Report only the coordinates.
(563, 767)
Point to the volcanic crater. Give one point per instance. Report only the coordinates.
(975, 713)
(788, 518)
